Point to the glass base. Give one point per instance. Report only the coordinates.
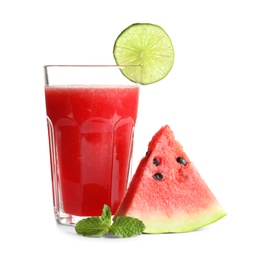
(67, 219)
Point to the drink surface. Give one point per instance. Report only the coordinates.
(93, 130)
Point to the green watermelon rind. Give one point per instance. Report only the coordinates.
(179, 223)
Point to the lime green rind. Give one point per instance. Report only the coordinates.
(146, 51)
(182, 222)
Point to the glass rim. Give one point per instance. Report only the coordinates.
(50, 68)
(91, 65)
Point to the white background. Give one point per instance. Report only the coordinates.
(208, 99)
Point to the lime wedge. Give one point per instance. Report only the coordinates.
(146, 52)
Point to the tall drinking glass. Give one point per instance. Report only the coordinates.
(91, 116)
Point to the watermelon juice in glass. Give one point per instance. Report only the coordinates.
(91, 116)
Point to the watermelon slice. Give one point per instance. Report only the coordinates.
(166, 192)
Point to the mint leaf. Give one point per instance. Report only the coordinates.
(125, 226)
(93, 226)
(106, 215)
(122, 226)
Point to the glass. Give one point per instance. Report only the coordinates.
(91, 116)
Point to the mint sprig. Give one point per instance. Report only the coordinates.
(122, 226)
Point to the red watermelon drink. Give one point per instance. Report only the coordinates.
(91, 138)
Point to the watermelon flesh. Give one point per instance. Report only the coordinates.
(166, 192)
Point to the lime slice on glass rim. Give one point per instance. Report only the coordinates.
(146, 52)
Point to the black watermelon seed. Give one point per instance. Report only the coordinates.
(181, 160)
(147, 154)
(158, 176)
(156, 161)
